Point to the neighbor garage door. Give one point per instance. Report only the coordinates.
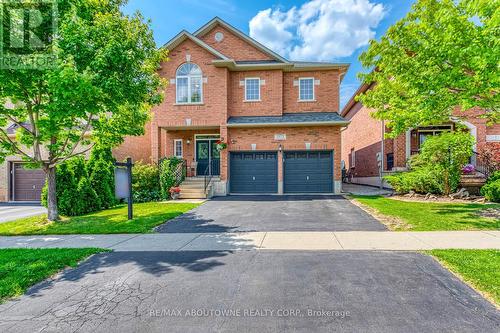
(308, 172)
(253, 172)
(27, 184)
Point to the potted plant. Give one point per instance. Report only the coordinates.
(468, 169)
(219, 145)
(175, 192)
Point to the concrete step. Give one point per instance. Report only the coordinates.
(192, 190)
(185, 195)
(192, 185)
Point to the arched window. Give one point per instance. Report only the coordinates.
(189, 84)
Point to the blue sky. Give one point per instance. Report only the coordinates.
(326, 30)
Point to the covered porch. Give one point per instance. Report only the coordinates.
(197, 146)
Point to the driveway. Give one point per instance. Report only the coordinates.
(10, 212)
(252, 291)
(273, 213)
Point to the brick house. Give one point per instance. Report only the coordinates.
(362, 140)
(279, 118)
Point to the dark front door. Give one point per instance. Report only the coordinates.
(254, 172)
(208, 158)
(308, 172)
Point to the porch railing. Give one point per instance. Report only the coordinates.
(212, 168)
(482, 165)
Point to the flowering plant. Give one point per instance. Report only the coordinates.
(468, 169)
(175, 190)
(221, 145)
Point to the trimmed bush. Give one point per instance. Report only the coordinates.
(491, 190)
(438, 167)
(145, 182)
(85, 187)
(101, 171)
(167, 168)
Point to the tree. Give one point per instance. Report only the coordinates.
(100, 88)
(442, 55)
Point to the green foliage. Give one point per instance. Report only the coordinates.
(438, 167)
(145, 182)
(423, 180)
(101, 170)
(167, 167)
(85, 186)
(101, 87)
(443, 54)
(491, 190)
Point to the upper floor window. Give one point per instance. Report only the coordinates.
(252, 89)
(306, 89)
(189, 84)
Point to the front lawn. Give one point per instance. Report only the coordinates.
(429, 216)
(22, 268)
(479, 268)
(111, 221)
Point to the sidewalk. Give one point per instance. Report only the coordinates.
(338, 241)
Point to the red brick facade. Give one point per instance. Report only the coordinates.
(223, 91)
(363, 136)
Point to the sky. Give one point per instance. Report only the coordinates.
(307, 30)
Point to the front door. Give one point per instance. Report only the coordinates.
(207, 157)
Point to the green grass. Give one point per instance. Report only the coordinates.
(426, 216)
(479, 268)
(111, 221)
(22, 268)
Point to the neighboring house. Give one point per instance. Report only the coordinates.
(279, 118)
(362, 140)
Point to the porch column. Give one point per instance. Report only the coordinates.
(155, 142)
(400, 151)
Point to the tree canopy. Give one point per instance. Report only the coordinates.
(100, 88)
(444, 54)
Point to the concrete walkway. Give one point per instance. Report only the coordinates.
(313, 241)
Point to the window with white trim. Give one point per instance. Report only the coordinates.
(178, 148)
(252, 89)
(306, 89)
(189, 84)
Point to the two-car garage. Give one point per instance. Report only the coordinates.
(303, 172)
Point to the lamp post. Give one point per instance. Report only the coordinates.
(129, 166)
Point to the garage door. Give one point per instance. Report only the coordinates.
(308, 172)
(254, 172)
(27, 184)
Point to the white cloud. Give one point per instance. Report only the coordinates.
(319, 29)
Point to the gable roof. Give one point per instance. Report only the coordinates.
(183, 35)
(352, 101)
(218, 21)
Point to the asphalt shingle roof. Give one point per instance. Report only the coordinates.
(305, 117)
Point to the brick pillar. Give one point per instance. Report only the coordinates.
(400, 151)
(224, 154)
(155, 142)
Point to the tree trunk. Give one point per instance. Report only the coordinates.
(53, 214)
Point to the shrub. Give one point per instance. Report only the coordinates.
(423, 180)
(438, 167)
(491, 190)
(84, 187)
(101, 171)
(167, 167)
(145, 182)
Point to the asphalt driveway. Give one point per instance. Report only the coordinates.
(273, 213)
(251, 291)
(10, 212)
